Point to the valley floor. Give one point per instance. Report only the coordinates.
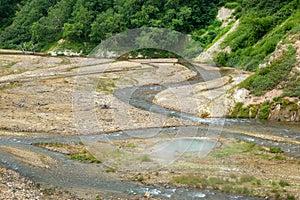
(48, 103)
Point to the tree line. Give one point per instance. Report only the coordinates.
(44, 22)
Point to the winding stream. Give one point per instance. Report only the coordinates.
(73, 174)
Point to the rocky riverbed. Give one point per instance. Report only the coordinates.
(62, 102)
(14, 186)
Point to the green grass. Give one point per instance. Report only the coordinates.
(10, 86)
(110, 170)
(253, 110)
(283, 183)
(85, 157)
(84, 47)
(247, 178)
(236, 148)
(107, 85)
(236, 109)
(207, 36)
(221, 33)
(268, 78)
(204, 115)
(231, 5)
(279, 157)
(130, 145)
(213, 182)
(258, 34)
(292, 88)
(290, 197)
(275, 150)
(244, 112)
(264, 111)
(189, 180)
(145, 158)
(79, 153)
(52, 144)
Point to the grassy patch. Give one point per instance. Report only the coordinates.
(264, 110)
(261, 28)
(275, 149)
(290, 197)
(10, 86)
(221, 33)
(110, 170)
(269, 77)
(231, 5)
(145, 158)
(292, 88)
(235, 148)
(247, 178)
(107, 85)
(76, 151)
(52, 144)
(236, 109)
(207, 35)
(253, 111)
(283, 183)
(279, 157)
(84, 156)
(83, 47)
(214, 182)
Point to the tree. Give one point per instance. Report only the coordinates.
(50, 27)
(19, 31)
(107, 24)
(79, 26)
(7, 11)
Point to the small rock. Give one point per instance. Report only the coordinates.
(147, 195)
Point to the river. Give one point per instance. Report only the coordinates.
(92, 177)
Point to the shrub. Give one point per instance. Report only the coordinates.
(110, 170)
(283, 183)
(244, 113)
(238, 106)
(231, 5)
(275, 150)
(269, 77)
(264, 111)
(290, 197)
(261, 28)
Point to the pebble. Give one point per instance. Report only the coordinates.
(13, 186)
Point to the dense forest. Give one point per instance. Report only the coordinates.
(43, 22)
(39, 24)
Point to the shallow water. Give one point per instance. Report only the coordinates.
(73, 174)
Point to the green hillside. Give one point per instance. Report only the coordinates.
(263, 23)
(84, 23)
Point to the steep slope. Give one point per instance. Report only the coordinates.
(273, 91)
